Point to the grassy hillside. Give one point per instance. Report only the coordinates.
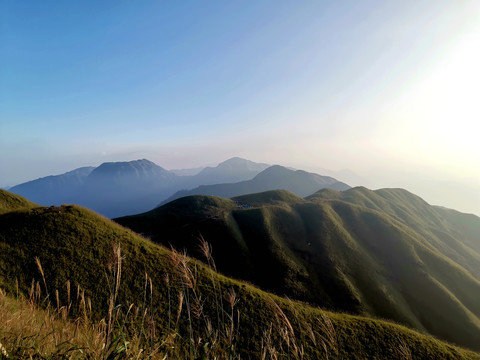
(185, 302)
(454, 234)
(10, 202)
(385, 253)
(274, 197)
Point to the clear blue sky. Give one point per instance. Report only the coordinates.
(379, 87)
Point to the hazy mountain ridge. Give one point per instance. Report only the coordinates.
(54, 189)
(113, 188)
(75, 244)
(385, 253)
(187, 172)
(124, 172)
(232, 170)
(275, 177)
(123, 188)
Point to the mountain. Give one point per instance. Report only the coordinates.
(452, 233)
(123, 188)
(54, 189)
(187, 172)
(275, 177)
(71, 248)
(124, 173)
(232, 170)
(112, 189)
(120, 188)
(384, 253)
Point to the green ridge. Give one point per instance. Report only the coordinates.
(384, 253)
(11, 202)
(272, 197)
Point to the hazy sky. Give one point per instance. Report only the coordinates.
(388, 89)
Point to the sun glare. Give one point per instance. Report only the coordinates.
(436, 118)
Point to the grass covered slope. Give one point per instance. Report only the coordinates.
(273, 197)
(74, 248)
(454, 234)
(407, 263)
(10, 202)
(23, 334)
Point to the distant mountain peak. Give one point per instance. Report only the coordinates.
(276, 169)
(138, 167)
(238, 162)
(139, 162)
(232, 170)
(235, 159)
(276, 177)
(127, 171)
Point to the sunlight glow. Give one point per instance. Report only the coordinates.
(437, 118)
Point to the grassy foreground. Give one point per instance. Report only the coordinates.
(10, 202)
(28, 329)
(101, 291)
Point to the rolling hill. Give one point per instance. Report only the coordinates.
(275, 177)
(11, 202)
(74, 247)
(384, 253)
(452, 233)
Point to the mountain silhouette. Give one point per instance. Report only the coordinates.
(275, 177)
(123, 188)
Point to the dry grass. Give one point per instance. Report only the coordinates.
(404, 351)
(29, 329)
(40, 326)
(35, 327)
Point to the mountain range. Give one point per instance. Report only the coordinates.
(55, 249)
(275, 177)
(124, 188)
(230, 171)
(384, 253)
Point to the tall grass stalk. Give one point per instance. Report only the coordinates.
(206, 250)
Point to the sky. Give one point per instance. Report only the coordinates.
(386, 89)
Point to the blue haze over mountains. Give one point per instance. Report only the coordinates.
(275, 177)
(123, 188)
